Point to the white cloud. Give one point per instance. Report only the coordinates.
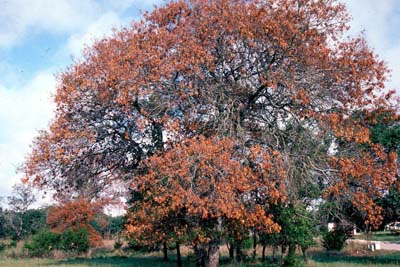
(96, 30)
(103, 25)
(22, 112)
(19, 18)
(137, 4)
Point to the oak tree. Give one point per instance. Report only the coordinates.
(280, 75)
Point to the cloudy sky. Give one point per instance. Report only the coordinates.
(38, 38)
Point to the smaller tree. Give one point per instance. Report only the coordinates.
(75, 215)
(390, 204)
(3, 229)
(335, 240)
(22, 197)
(298, 230)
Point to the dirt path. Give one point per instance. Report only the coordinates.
(390, 246)
(383, 244)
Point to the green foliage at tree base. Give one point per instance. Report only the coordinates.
(2, 246)
(335, 240)
(294, 261)
(45, 242)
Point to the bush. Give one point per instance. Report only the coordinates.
(45, 242)
(117, 244)
(2, 246)
(293, 261)
(75, 241)
(13, 244)
(335, 240)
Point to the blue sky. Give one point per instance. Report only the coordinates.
(39, 37)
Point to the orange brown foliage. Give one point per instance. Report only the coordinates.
(205, 180)
(364, 177)
(233, 68)
(74, 215)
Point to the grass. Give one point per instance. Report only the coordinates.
(138, 261)
(381, 236)
(318, 258)
(385, 260)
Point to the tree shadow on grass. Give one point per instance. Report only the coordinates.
(152, 261)
(248, 262)
(121, 261)
(393, 259)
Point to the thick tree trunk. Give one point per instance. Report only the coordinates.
(165, 251)
(178, 255)
(263, 252)
(200, 255)
(213, 257)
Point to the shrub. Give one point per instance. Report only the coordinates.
(117, 244)
(43, 243)
(13, 244)
(75, 241)
(335, 240)
(294, 261)
(2, 246)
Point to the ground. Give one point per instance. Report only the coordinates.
(354, 255)
(318, 258)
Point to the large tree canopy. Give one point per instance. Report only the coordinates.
(276, 74)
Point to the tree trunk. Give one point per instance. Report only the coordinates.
(239, 254)
(292, 251)
(254, 245)
(200, 255)
(283, 250)
(274, 249)
(165, 251)
(213, 258)
(289, 261)
(303, 251)
(263, 252)
(178, 255)
(231, 249)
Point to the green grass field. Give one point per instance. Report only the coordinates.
(385, 260)
(107, 258)
(318, 259)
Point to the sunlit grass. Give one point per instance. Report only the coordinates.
(318, 258)
(385, 260)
